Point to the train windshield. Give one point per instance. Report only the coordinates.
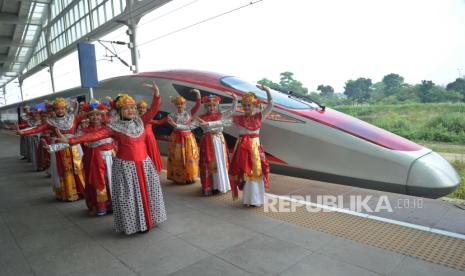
(281, 98)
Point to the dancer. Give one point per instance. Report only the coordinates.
(98, 160)
(136, 193)
(67, 173)
(183, 153)
(249, 168)
(214, 160)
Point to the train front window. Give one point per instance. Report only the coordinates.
(278, 97)
(185, 91)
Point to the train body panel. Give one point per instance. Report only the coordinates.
(307, 142)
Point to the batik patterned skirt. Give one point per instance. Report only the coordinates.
(136, 205)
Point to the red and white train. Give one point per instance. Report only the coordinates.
(300, 137)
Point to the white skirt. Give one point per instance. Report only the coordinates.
(254, 192)
(107, 156)
(221, 177)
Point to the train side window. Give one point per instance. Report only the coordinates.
(81, 98)
(185, 92)
(162, 131)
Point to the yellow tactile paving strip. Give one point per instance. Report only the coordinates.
(430, 247)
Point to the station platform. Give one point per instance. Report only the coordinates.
(218, 236)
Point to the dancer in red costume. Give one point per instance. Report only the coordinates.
(214, 160)
(136, 193)
(249, 168)
(98, 160)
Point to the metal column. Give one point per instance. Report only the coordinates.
(4, 95)
(132, 32)
(51, 77)
(21, 88)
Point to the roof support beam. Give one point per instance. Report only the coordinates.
(32, 1)
(8, 42)
(6, 58)
(8, 18)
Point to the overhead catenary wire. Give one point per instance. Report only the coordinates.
(169, 33)
(157, 18)
(200, 22)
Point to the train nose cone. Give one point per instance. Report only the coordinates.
(432, 176)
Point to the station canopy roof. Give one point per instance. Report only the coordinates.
(36, 33)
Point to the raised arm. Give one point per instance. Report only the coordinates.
(75, 107)
(148, 116)
(79, 118)
(228, 113)
(196, 107)
(269, 106)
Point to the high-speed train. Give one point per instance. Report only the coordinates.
(300, 137)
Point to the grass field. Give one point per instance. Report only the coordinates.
(437, 123)
(438, 126)
(460, 192)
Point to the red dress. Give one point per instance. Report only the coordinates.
(136, 193)
(152, 147)
(249, 161)
(207, 163)
(97, 191)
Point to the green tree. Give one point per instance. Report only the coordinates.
(458, 85)
(408, 93)
(327, 91)
(270, 84)
(424, 90)
(392, 83)
(358, 90)
(288, 82)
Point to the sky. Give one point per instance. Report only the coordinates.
(321, 42)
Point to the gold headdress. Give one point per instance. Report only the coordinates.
(60, 102)
(178, 100)
(124, 99)
(250, 98)
(142, 103)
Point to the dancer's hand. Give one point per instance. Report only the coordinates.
(201, 122)
(154, 87)
(172, 122)
(61, 137)
(44, 143)
(197, 93)
(17, 130)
